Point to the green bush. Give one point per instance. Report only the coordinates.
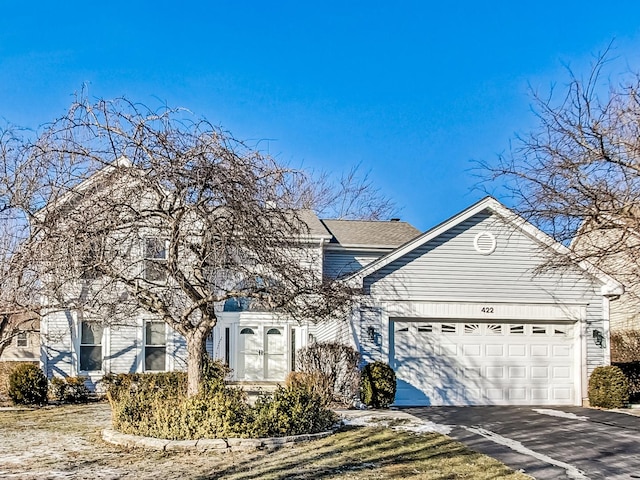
(69, 389)
(608, 388)
(378, 385)
(28, 385)
(293, 410)
(169, 384)
(156, 405)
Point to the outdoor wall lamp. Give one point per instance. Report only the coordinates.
(371, 334)
(598, 337)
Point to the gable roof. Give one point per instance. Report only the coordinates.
(369, 233)
(610, 286)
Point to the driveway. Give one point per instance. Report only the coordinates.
(547, 442)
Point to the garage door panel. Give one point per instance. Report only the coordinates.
(539, 350)
(517, 350)
(495, 350)
(472, 350)
(467, 363)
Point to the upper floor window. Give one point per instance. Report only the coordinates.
(22, 340)
(155, 259)
(91, 334)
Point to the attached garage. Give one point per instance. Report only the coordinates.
(469, 313)
(458, 362)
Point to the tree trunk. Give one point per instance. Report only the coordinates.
(196, 350)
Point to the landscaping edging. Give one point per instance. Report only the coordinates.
(206, 444)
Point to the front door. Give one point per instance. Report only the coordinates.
(262, 353)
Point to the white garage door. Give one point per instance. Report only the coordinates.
(467, 363)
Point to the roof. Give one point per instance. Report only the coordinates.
(369, 233)
(316, 228)
(610, 286)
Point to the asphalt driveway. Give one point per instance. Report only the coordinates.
(547, 442)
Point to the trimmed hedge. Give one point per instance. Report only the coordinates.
(608, 388)
(28, 385)
(156, 405)
(378, 385)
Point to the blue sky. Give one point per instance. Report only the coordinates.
(412, 90)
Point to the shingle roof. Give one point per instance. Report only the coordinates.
(367, 233)
(316, 228)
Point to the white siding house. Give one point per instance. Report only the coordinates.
(463, 313)
(466, 316)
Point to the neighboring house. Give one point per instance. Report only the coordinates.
(22, 334)
(460, 312)
(616, 252)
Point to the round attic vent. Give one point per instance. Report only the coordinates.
(485, 243)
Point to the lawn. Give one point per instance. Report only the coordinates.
(64, 442)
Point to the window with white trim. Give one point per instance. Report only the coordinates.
(91, 334)
(155, 347)
(22, 340)
(155, 259)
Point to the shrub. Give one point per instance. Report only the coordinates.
(168, 384)
(631, 370)
(156, 405)
(608, 388)
(28, 385)
(378, 385)
(335, 367)
(292, 410)
(625, 346)
(316, 382)
(69, 389)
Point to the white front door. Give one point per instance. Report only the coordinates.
(262, 353)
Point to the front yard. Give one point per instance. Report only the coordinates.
(65, 442)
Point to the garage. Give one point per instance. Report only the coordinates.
(457, 362)
(485, 309)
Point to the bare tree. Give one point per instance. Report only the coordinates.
(20, 184)
(577, 176)
(353, 196)
(143, 211)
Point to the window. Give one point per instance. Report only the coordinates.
(155, 259)
(471, 329)
(448, 328)
(155, 346)
(494, 329)
(538, 330)
(516, 329)
(426, 328)
(91, 346)
(22, 340)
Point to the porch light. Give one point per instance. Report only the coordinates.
(598, 337)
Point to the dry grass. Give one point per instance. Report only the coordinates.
(64, 442)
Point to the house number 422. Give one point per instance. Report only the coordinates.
(487, 310)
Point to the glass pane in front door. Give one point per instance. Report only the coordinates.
(250, 358)
(275, 353)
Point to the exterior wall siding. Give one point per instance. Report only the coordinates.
(125, 348)
(343, 262)
(448, 269)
